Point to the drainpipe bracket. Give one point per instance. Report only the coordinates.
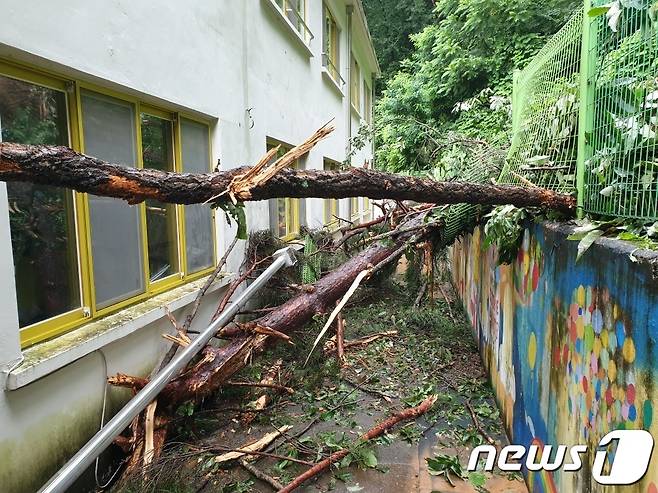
(288, 254)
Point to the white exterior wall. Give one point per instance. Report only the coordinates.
(234, 62)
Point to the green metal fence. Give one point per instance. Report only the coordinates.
(483, 165)
(545, 114)
(586, 111)
(621, 164)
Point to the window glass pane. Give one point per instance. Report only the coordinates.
(331, 44)
(355, 90)
(367, 98)
(41, 217)
(109, 134)
(199, 242)
(294, 9)
(285, 213)
(161, 227)
(330, 205)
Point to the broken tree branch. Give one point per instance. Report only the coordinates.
(477, 425)
(340, 339)
(256, 446)
(63, 167)
(375, 432)
(258, 474)
(263, 385)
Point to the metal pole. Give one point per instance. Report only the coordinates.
(94, 447)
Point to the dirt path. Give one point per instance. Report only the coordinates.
(331, 406)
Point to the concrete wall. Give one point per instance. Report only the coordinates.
(570, 348)
(234, 63)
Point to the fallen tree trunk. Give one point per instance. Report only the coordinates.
(218, 364)
(63, 167)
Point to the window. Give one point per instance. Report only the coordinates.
(355, 90)
(285, 213)
(367, 209)
(42, 218)
(77, 256)
(331, 46)
(367, 103)
(198, 218)
(161, 219)
(295, 12)
(108, 126)
(330, 205)
(354, 207)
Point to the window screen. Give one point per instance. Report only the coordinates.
(109, 134)
(198, 218)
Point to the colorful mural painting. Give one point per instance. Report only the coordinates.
(570, 347)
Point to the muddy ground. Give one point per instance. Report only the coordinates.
(432, 353)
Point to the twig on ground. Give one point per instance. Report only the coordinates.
(375, 432)
(421, 294)
(258, 474)
(262, 385)
(448, 304)
(373, 392)
(477, 425)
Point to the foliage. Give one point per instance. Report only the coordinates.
(449, 466)
(362, 138)
(643, 236)
(470, 51)
(504, 229)
(311, 264)
(391, 23)
(624, 164)
(237, 213)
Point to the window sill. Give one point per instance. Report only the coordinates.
(332, 82)
(295, 33)
(355, 111)
(47, 357)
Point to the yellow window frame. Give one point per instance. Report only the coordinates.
(354, 206)
(292, 206)
(331, 211)
(65, 322)
(355, 90)
(367, 102)
(331, 42)
(187, 275)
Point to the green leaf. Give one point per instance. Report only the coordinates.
(647, 180)
(369, 459)
(236, 212)
(587, 242)
(598, 11)
(477, 479)
(608, 191)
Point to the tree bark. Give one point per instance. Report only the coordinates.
(217, 365)
(63, 167)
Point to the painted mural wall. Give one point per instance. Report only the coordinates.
(571, 348)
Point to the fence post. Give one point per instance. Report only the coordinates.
(586, 111)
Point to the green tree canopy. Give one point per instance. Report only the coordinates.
(391, 23)
(458, 76)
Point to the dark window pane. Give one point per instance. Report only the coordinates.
(162, 230)
(109, 134)
(42, 218)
